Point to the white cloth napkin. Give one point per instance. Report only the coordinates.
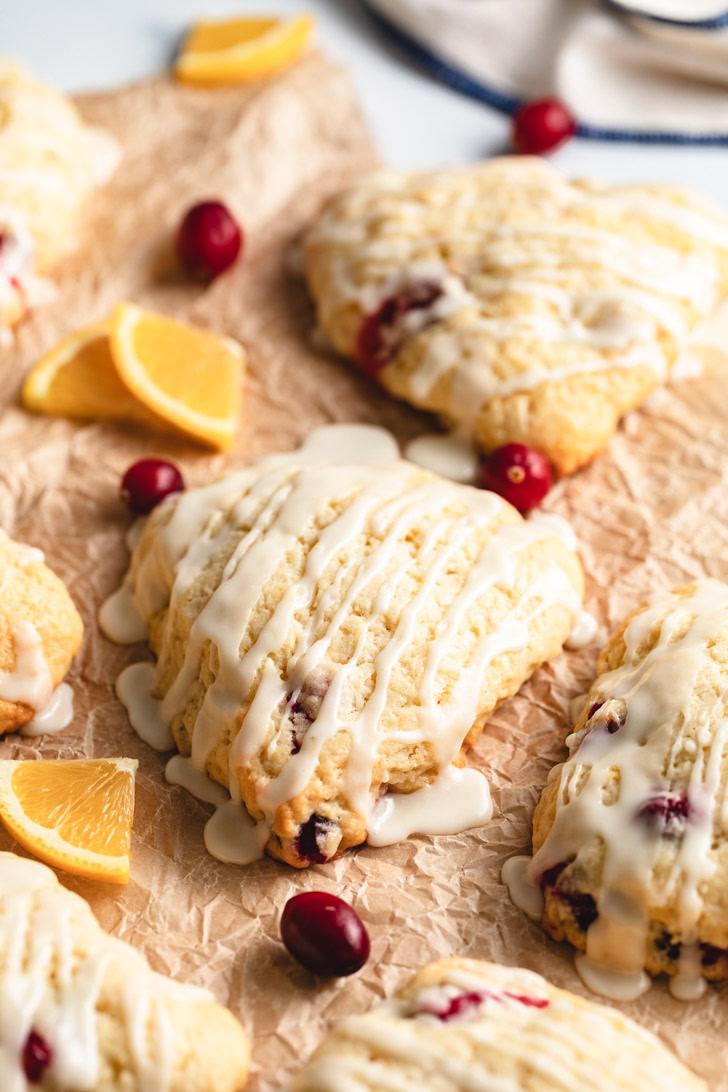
(652, 70)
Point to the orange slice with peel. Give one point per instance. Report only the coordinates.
(237, 50)
(78, 378)
(188, 376)
(75, 814)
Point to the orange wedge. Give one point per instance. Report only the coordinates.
(237, 50)
(75, 814)
(188, 376)
(77, 378)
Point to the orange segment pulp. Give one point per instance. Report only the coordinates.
(237, 50)
(75, 814)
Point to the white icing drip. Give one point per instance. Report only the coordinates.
(180, 771)
(134, 691)
(616, 985)
(655, 698)
(295, 487)
(523, 892)
(583, 632)
(450, 456)
(233, 836)
(55, 716)
(457, 800)
(119, 618)
(51, 985)
(30, 682)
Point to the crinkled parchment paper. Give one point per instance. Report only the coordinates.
(651, 513)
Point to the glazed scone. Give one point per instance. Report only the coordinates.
(40, 633)
(462, 1025)
(517, 305)
(84, 1011)
(51, 161)
(630, 836)
(326, 633)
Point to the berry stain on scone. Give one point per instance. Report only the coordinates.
(517, 305)
(464, 1024)
(40, 633)
(331, 636)
(82, 1010)
(630, 834)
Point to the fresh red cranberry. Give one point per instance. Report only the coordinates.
(37, 1056)
(324, 934)
(382, 334)
(148, 482)
(541, 126)
(518, 473)
(666, 812)
(711, 955)
(209, 239)
(310, 838)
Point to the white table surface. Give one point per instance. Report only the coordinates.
(94, 44)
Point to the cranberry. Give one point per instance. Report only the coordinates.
(462, 1005)
(309, 839)
(529, 1002)
(711, 954)
(666, 812)
(665, 943)
(582, 905)
(594, 708)
(541, 126)
(37, 1056)
(148, 482)
(209, 239)
(518, 473)
(382, 334)
(304, 710)
(551, 875)
(324, 934)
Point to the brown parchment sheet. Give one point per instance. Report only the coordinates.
(651, 513)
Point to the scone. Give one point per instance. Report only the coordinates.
(517, 305)
(462, 1025)
(630, 834)
(82, 1010)
(51, 161)
(329, 633)
(40, 633)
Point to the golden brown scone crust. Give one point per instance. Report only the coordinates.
(561, 304)
(31, 592)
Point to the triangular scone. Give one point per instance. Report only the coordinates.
(84, 1012)
(629, 838)
(51, 162)
(327, 633)
(516, 304)
(40, 633)
(464, 1024)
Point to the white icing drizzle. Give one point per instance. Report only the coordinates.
(231, 834)
(583, 632)
(450, 456)
(50, 985)
(662, 744)
(134, 691)
(453, 228)
(119, 618)
(55, 716)
(500, 1044)
(30, 682)
(458, 800)
(523, 893)
(293, 489)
